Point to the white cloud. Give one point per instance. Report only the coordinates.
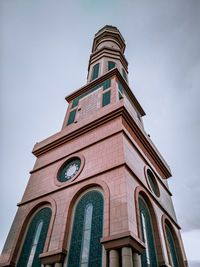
(191, 242)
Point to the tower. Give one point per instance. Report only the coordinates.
(98, 192)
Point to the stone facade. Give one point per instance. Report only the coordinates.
(115, 153)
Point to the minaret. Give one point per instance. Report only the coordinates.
(98, 194)
(107, 53)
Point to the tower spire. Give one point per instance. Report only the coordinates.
(107, 53)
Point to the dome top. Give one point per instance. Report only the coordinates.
(107, 35)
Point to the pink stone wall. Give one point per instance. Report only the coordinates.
(115, 160)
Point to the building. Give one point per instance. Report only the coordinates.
(98, 192)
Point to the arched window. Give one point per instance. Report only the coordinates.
(171, 248)
(35, 239)
(148, 257)
(85, 247)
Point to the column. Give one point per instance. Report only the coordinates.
(136, 260)
(114, 258)
(127, 257)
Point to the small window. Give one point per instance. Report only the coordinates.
(124, 74)
(72, 115)
(86, 235)
(95, 73)
(151, 180)
(107, 84)
(106, 99)
(111, 65)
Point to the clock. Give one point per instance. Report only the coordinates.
(69, 169)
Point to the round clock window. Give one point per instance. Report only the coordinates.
(69, 169)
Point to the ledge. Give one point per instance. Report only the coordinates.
(116, 110)
(54, 256)
(126, 239)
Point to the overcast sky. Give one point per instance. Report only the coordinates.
(44, 50)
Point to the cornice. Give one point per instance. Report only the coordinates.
(119, 111)
(103, 78)
(111, 50)
(77, 132)
(105, 52)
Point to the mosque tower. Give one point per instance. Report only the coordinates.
(98, 192)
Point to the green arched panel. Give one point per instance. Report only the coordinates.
(171, 247)
(43, 215)
(95, 252)
(150, 237)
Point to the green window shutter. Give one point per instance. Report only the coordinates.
(120, 96)
(106, 99)
(106, 84)
(121, 89)
(75, 102)
(72, 115)
(111, 65)
(95, 199)
(138, 114)
(124, 74)
(44, 215)
(171, 247)
(95, 71)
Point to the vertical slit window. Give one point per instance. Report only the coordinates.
(95, 73)
(86, 236)
(35, 243)
(106, 99)
(148, 257)
(72, 115)
(172, 251)
(145, 238)
(111, 65)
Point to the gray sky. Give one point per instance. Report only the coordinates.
(44, 50)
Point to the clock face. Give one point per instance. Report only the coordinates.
(70, 169)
